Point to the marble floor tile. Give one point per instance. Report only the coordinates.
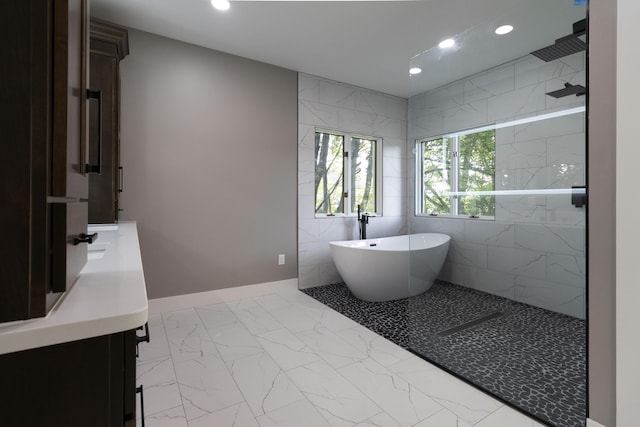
(283, 359)
(465, 401)
(173, 417)
(404, 402)
(206, 386)
(339, 401)
(264, 385)
(215, 315)
(234, 341)
(286, 349)
(330, 347)
(297, 414)
(254, 317)
(233, 416)
(374, 346)
(158, 346)
(161, 390)
(506, 416)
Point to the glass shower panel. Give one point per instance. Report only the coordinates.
(497, 143)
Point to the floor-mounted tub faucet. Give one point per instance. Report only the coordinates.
(363, 220)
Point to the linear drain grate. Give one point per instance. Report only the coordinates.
(470, 324)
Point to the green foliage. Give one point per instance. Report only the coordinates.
(476, 172)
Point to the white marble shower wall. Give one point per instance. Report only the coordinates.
(534, 251)
(330, 105)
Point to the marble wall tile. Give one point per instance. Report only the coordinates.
(321, 115)
(467, 403)
(517, 209)
(567, 269)
(517, 261)
(425, 126)
(397, 108)
(264, 385)
(549, 128)
(450, 226)
(405, 403)
(530, 154)
(490, 83)
(466, 253)
(356, 121)
(566, 149)
(490, 281)
(340, 95)
(490, 233)
(339, 401)
(466, 115)
(550, 238)
(526, 100)
(531, 70)
(308, 88)
(206, 386)
(372, 102)
(561, 212)
(444, 98)
(552, 296)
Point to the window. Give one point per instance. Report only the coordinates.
(458, 174)
(347, 173)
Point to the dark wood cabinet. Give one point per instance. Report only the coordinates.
(109, 44)
(89, 382)
(44, 187)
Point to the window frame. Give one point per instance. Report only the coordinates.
(455, 175)
(347, 173)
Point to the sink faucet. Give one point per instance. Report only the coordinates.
(363, 220)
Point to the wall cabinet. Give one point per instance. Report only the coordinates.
(109, 44)
(43, 115)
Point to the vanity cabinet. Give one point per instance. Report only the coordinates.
(43, 118)
(109, 44)
(89, 382)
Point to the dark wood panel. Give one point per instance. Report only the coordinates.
(80, 383)
(24, 119)
(103, 191)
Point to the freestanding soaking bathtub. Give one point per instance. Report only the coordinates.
(390, 268)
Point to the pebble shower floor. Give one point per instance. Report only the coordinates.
(531, 358)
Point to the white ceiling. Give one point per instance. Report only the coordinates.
(363, 43)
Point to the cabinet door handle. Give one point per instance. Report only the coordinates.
(96, 95)
(85, 238)
(140, 390)
(121, 169)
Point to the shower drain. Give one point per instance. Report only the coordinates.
(470, 324)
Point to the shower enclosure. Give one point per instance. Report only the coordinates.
(496, 159)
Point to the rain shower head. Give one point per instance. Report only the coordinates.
(569, 89)
(566, 45)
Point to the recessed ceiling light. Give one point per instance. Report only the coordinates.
(221, 4)
(504, 29)
(415, 70)
(446, 44)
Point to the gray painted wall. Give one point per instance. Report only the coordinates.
(209, 149)
(602, 212)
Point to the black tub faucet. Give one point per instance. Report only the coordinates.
(363, 220)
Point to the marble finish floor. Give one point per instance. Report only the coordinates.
(280, 358)
(532, 358)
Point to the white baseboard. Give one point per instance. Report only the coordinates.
(179, 302)
(591, 423)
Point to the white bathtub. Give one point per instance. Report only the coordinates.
(390, 268)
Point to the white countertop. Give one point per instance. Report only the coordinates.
(109, 296)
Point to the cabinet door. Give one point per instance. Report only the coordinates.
(70, 82)
(103, 188)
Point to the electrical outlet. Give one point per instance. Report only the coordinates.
(281, 259)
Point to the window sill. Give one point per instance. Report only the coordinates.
(481, 218)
